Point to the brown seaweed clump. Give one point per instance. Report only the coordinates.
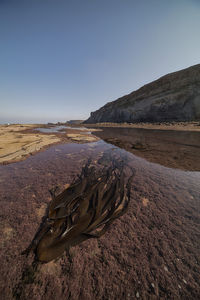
(82, 211)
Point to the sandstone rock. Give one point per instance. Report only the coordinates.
(173, 97)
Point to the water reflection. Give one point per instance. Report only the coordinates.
(175, 149)
(51, 129)
(59, 129)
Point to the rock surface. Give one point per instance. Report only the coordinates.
(173, 97)
(18, 141)
(160, 230)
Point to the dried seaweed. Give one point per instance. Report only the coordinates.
(84, 210)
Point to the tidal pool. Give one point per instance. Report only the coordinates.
(151, 251)
(170, 148)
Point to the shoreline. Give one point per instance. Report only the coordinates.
(19, 141)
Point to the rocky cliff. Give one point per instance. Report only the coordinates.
(173, 97)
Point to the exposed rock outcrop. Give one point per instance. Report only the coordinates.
(173, 97)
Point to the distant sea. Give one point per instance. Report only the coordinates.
(28, 122)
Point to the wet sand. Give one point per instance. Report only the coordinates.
(151, 252)
(171, 148)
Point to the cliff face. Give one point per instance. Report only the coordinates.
(173, 97)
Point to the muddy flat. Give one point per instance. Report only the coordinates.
(151, 252)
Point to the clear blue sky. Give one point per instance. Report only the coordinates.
(62, 59)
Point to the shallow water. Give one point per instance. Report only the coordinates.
(157, 240)
(174, 149)
(58, 129)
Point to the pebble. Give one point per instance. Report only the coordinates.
(152, 284)
(165, 268)
(184, 281)
(137, 295)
